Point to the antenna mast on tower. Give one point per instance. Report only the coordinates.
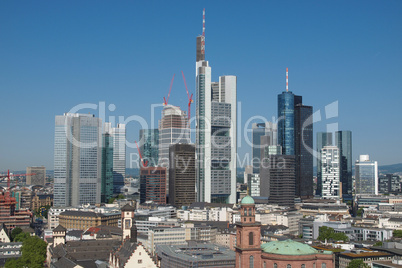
(287, 80)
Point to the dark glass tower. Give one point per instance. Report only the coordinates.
(149, 144)
(303, 150)
(258, 132)
(343, 140)
(286, 122)
(323, 139)
(107, 168)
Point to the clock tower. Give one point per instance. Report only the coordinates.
(127, 219)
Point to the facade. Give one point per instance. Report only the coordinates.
(77, 160)
(182, 175)
(323, 139)
(254, 184)
(107, 165)
(10, 216)
(331, 186)
(366, 175)
(165, 236)
(82, 220)
(367, 256)
(390, 183)
(259, 130)
(38, 178)
(149, 146)
(41, 200)
(153, 185)
(343, 140)
(119, 156)
(216, 141)
(304, 150)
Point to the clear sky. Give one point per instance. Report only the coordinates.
(55, 55)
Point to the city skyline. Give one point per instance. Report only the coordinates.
(56, 56)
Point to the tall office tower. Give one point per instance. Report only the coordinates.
(119, 156)
(331, 185)
(247, 170)
(303, 150)
(390, 183)
(366, 176)
(153, 185)
(38, 178)
(258, 130)
(253, 184)
(182, 175)
(149, 146)
(77, 159)
(323, 139)
(216, 142)
(107, 164)
(173, 128)
(343, 140)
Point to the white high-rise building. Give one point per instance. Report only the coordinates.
(77, 159)
(366, 176)
(216, 125)
(331, 188)
(119, 156)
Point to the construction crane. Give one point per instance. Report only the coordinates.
(8, 176)
(144, 164)
(165, 101)
(190, 98)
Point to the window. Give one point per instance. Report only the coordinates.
(303, 266)
(251, 261)
(288, 266)
(139, 261)
(265, 264)
(251, 238)
(323, 265)
(239, 261)
(275, 265)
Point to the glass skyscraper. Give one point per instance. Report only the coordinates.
(77, 160)
(343, 140)
(323, 139)
(107, 167)
(259, 130)
(286, 122)
(366, 176)
(149, 146)
(119, 156)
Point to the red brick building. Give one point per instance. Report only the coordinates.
(153, 185)
(277, 254)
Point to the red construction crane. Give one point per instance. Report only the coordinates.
(8, 176)
(144, 164)
(165, 101)
(190, 98)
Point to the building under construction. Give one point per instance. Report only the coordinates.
(9, 215)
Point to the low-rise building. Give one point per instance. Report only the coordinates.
(82, 220)
(368, 256)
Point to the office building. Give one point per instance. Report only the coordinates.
(119, 156)
(153, 185)
(304, 150)
(38, 178)
(259, 130)
(389, 183)
(254, 184)
(107, 165)
(216, 142)
(343, 140)
(182, 175)
(173, 128)
(331, 185)
(366, 176)
(323, 139)
(77, 159)
(149, 146)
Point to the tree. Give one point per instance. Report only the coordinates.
(359, 212)
(327, 233)
(33, 254)
(340, 237)
(15, 232)
(397, 233)
(358, 263)
(21, 237)
(378, 244)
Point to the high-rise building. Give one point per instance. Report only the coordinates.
(149, 146)
(38, 178)
(107, 164)
(119, 156)
(258, 130)
(173, 128)
(216, 142)
(304, 150)
(331, 186)
(153, 184)
(247, 171)
(343, 140)
(366, 176)
(390, 183)
(182, 175)
(254, 184)
(323, 139)
(77, 159)
(286, 122)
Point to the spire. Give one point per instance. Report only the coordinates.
(203, 34)
(287, 80)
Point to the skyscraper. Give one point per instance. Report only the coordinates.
(77, 159)
(149, 146)
(258, 130)
(119, 156)
(286, 122)
(38, 178)
(330, 172)
(153, 184)
(323, 139)
(182, 175)
(366, 175)
(303, 150)
(173, 128)
(107, 164)
(216, 142)
(343, 140)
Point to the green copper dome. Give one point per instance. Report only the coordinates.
(288, 247)
(247, 200)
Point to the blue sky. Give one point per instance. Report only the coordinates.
(55, 55)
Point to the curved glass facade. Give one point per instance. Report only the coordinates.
(286, 118)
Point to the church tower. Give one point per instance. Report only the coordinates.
(127, 219)
(248, 245)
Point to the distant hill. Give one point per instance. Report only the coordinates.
(395, 168)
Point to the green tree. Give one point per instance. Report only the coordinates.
(359, 212)
(111, 200)
(120, 196)
(358, 263)
(33, 254)
(340, 237)
(397, 233)
(329, 233)
(15, 232)
(21, 237)
(378, 244)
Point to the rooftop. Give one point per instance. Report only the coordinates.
(290, 247)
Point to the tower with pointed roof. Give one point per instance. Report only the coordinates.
(127, 220)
